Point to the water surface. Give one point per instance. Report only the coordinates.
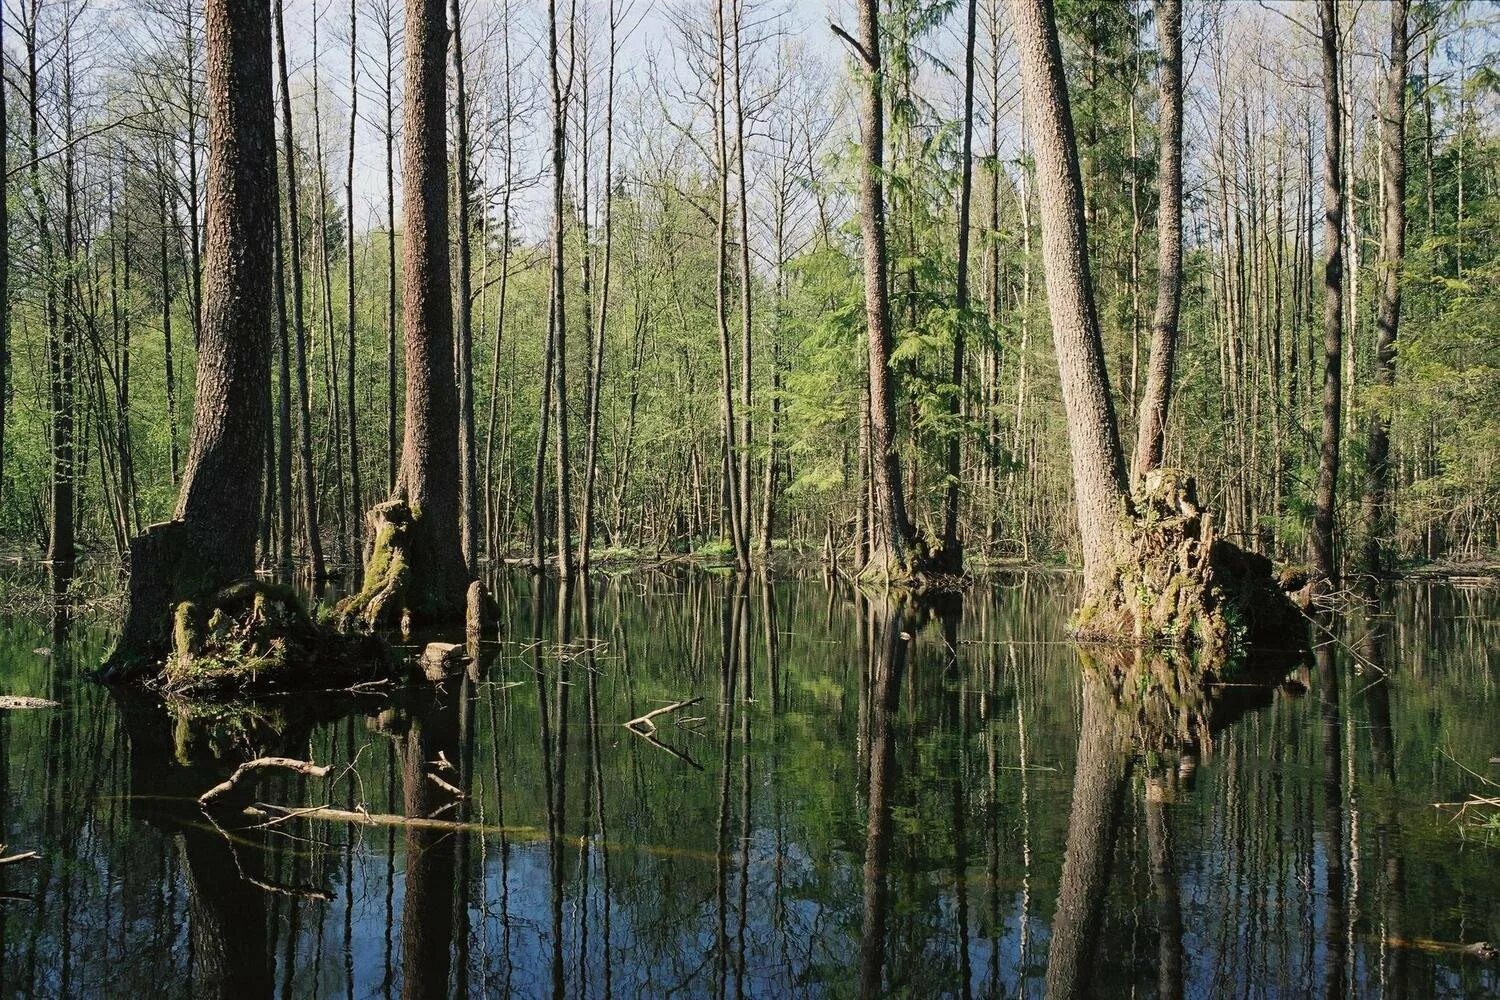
(867, 800)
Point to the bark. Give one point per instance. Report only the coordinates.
(1151, 431)
(596, 364)
(1379, 516)
(299, 334)
(211, 541)
(1093, 436)
(1321, 550)
(4, 277)
(898, 552)
(417, 547)
(742, 544)
(462, 328)
(559, 338)
(952, 551)
(356, 493)
(733, 514)
(390, 248)
(284, 405)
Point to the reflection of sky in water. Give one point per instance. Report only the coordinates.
(753, 875)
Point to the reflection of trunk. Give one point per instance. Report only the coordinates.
(427, 912)
(1388, 828)
(1164, 888)
(888, 662)
(1333, 822)
(226, 917)
(1098, 787)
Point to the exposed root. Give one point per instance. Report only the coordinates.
(1175, 584)
(255, 637)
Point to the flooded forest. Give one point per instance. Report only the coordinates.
(723, 498)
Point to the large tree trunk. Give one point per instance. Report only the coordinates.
(211, 541)
(898, 551)
(1151, 432)
(1093, 436)
(1320, 547)
(1379, 518)
(416, 569)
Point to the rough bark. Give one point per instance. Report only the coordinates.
(299, 333)
(423, 559)
(899, 551)
(1093, 435)
(211, 540)
(1320, 540)
(952, 551)
(356, 489)
(1379, 516)
(559, 337)
(1151, 431)
(462, 328)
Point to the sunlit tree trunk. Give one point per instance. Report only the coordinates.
(1321, 550)
(211, 541)
(1379, 517)
(1093, 436)
(462, 328)
(1151, 431)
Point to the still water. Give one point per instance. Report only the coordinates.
(867, 800)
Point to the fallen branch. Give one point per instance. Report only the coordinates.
(261, 764)
(635, 725)
(23, 856)
(16, 702)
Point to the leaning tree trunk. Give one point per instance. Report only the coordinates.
(1379, 518)
(1320, 547)
(1153, 571)
(1151, 432)
(211, 540)
(1093, 436)
(899, 553)
(416, 570)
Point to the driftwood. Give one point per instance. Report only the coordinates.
(637, 724)
(12, 859)
(262, 764)
(17, 702)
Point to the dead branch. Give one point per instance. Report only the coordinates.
(635, 725)
(261, 764)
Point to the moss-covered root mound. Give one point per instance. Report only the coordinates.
(254, 638)
(1175, 584)
(386, 600)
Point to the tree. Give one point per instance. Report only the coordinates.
(1379, 518)
(1151, 431)
(463, 331)
(211, 540)
(1093, 437)
(1320, 540)
(417, 567)
(900, 552)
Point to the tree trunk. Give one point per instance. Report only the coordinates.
(559, 336)
(299, 332)
(897, 552)
(284, 403)
(733, 514)
(1321, 549)
(742, 466)
(462, 329)
(211, 541)
(388, 33)
(1379, 516)
(4, 278)
(356, 493)
(1151, 431)
(952, 552)
(1093, 436)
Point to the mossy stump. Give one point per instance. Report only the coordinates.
(386, 600)
(1171, 582)
(254, 637)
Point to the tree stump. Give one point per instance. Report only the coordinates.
(1176, 584)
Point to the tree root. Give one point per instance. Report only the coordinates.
(255, 637)
(1175, 584)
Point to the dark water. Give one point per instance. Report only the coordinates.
(868, 800)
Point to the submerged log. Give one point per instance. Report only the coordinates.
(253, 767)
(1176, 584)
